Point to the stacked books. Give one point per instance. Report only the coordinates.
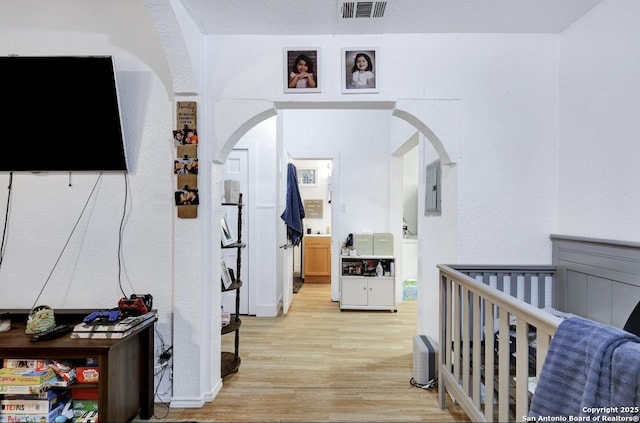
(45, 406)
(21, 377)
(21, 381)
(24, 385)
(25, 364)
(117, 330)
(38, 388)
(32, 417)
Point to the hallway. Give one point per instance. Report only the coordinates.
(320, 364)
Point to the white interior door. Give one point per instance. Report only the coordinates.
(287, 288)
(236, 167)
(286, 251)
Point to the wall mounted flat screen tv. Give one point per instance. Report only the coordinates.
(60, 114)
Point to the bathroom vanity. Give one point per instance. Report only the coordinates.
(316, 258)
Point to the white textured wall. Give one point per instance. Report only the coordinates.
(599, 126)
(507, 172)
(506, 91)
(44, 208)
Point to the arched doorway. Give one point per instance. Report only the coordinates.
(240, 117)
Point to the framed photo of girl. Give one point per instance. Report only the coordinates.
(301, 70)
(360, 73)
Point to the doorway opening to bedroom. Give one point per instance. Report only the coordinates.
(312, 258)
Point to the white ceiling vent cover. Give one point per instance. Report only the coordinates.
(362, 9)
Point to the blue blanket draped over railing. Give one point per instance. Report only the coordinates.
(590, 368)
(294, 211)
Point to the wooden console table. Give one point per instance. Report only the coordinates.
(125, 387)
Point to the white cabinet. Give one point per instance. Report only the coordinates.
(361, 289)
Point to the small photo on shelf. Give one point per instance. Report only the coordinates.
(226, 278)
(227, 236)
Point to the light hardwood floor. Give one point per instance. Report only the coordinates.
(318, 364)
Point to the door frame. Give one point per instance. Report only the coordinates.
(247, 294)
(334, 157)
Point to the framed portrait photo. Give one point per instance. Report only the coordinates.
(360, 71)
(300, 70)
(225, 231)
(308, 176)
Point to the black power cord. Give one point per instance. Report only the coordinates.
(75, 226)
(433, 383)
(166, 354)
(6, 218)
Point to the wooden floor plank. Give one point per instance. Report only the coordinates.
(318, 364)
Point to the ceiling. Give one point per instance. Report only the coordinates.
(326, 17)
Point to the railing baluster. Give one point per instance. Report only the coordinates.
(469, 307)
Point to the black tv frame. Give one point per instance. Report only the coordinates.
(61, 114)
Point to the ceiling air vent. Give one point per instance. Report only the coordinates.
(363, 9)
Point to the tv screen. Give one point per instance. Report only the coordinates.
(61, 114)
